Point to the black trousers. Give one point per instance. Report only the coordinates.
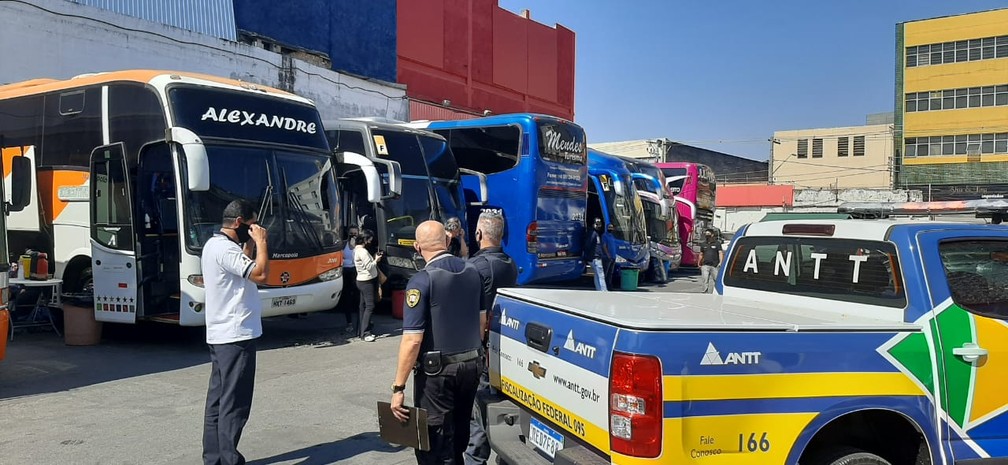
(229, 400)
(349, 300)
(368, 297)
(448, 399)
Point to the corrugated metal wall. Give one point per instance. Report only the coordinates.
(423, 110)
(211, 17)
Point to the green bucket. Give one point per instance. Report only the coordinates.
(628, 279)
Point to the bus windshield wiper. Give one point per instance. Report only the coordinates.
(266, 195)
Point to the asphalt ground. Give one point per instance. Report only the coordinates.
(138, 396)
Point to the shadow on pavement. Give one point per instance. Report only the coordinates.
(38, 362)
(332, 452)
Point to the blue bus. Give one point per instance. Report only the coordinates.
(536, 173)
(613, 197)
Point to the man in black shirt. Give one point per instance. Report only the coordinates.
(712, 256)
(596, 255)
(497, 270)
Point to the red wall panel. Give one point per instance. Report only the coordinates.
(542, 62)
(419, 31)
(481, 57)
(456, 36)
(566, 51)
(510, 51)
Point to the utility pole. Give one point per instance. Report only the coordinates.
(770, 168)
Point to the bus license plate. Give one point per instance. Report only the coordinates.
(544, 438)
(286, 301)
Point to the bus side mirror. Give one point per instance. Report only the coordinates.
(197, 163)
(484, 193)
(21, 182)
(392, 187)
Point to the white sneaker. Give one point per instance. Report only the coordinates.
(369, 338)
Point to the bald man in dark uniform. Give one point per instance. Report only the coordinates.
(442, 331)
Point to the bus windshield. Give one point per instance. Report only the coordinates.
(427, 165)
(444, 173)
(626, 211)
(657, 226)
(295, 194)
(675, 179)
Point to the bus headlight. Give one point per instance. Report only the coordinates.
(400, 262)
(620, 259)
(335, 273)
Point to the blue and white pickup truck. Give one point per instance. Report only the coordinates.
(826, 343)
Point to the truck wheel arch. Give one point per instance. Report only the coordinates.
(905, 441)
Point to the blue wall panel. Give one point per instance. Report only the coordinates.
(358, 35)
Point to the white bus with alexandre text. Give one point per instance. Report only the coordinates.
(133, 170)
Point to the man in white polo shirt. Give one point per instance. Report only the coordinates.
(233, 323)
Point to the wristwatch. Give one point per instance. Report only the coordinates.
(398, 388)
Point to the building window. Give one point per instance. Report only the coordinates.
(858, 146)
(910, 147)
(802, 148)
(986, 48)
(816, 148)
(959, 144)
(843, 147)
(952, 99)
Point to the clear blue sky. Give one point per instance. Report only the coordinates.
(725, 74)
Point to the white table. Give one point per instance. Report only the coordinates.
(50, 299)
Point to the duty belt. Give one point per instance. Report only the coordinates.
(460, 357)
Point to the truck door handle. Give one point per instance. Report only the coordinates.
(970, 352)
(538, 336)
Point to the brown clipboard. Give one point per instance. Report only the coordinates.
(412, 433)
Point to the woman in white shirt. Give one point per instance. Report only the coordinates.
(366, 258)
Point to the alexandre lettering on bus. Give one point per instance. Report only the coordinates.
(246, 118)
(782, 264)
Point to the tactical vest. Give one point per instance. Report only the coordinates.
(454, 303)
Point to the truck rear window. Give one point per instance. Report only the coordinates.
(977, 275)
(846, 270)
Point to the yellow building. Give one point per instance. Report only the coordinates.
(952, 105)
(834, 158)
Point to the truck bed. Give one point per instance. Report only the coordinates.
(700, 312)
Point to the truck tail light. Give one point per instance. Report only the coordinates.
(635, 405)
(532, 237)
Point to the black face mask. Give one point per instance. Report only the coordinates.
(242, 231)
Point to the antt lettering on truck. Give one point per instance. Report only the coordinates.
(878, 340)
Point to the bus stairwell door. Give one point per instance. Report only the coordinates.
(113, 257)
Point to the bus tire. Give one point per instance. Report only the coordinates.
(83, 282)
(846, 456)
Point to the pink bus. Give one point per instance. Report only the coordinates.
(694, 189)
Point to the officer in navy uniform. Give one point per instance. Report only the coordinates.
(442, 332)
(497, 270)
